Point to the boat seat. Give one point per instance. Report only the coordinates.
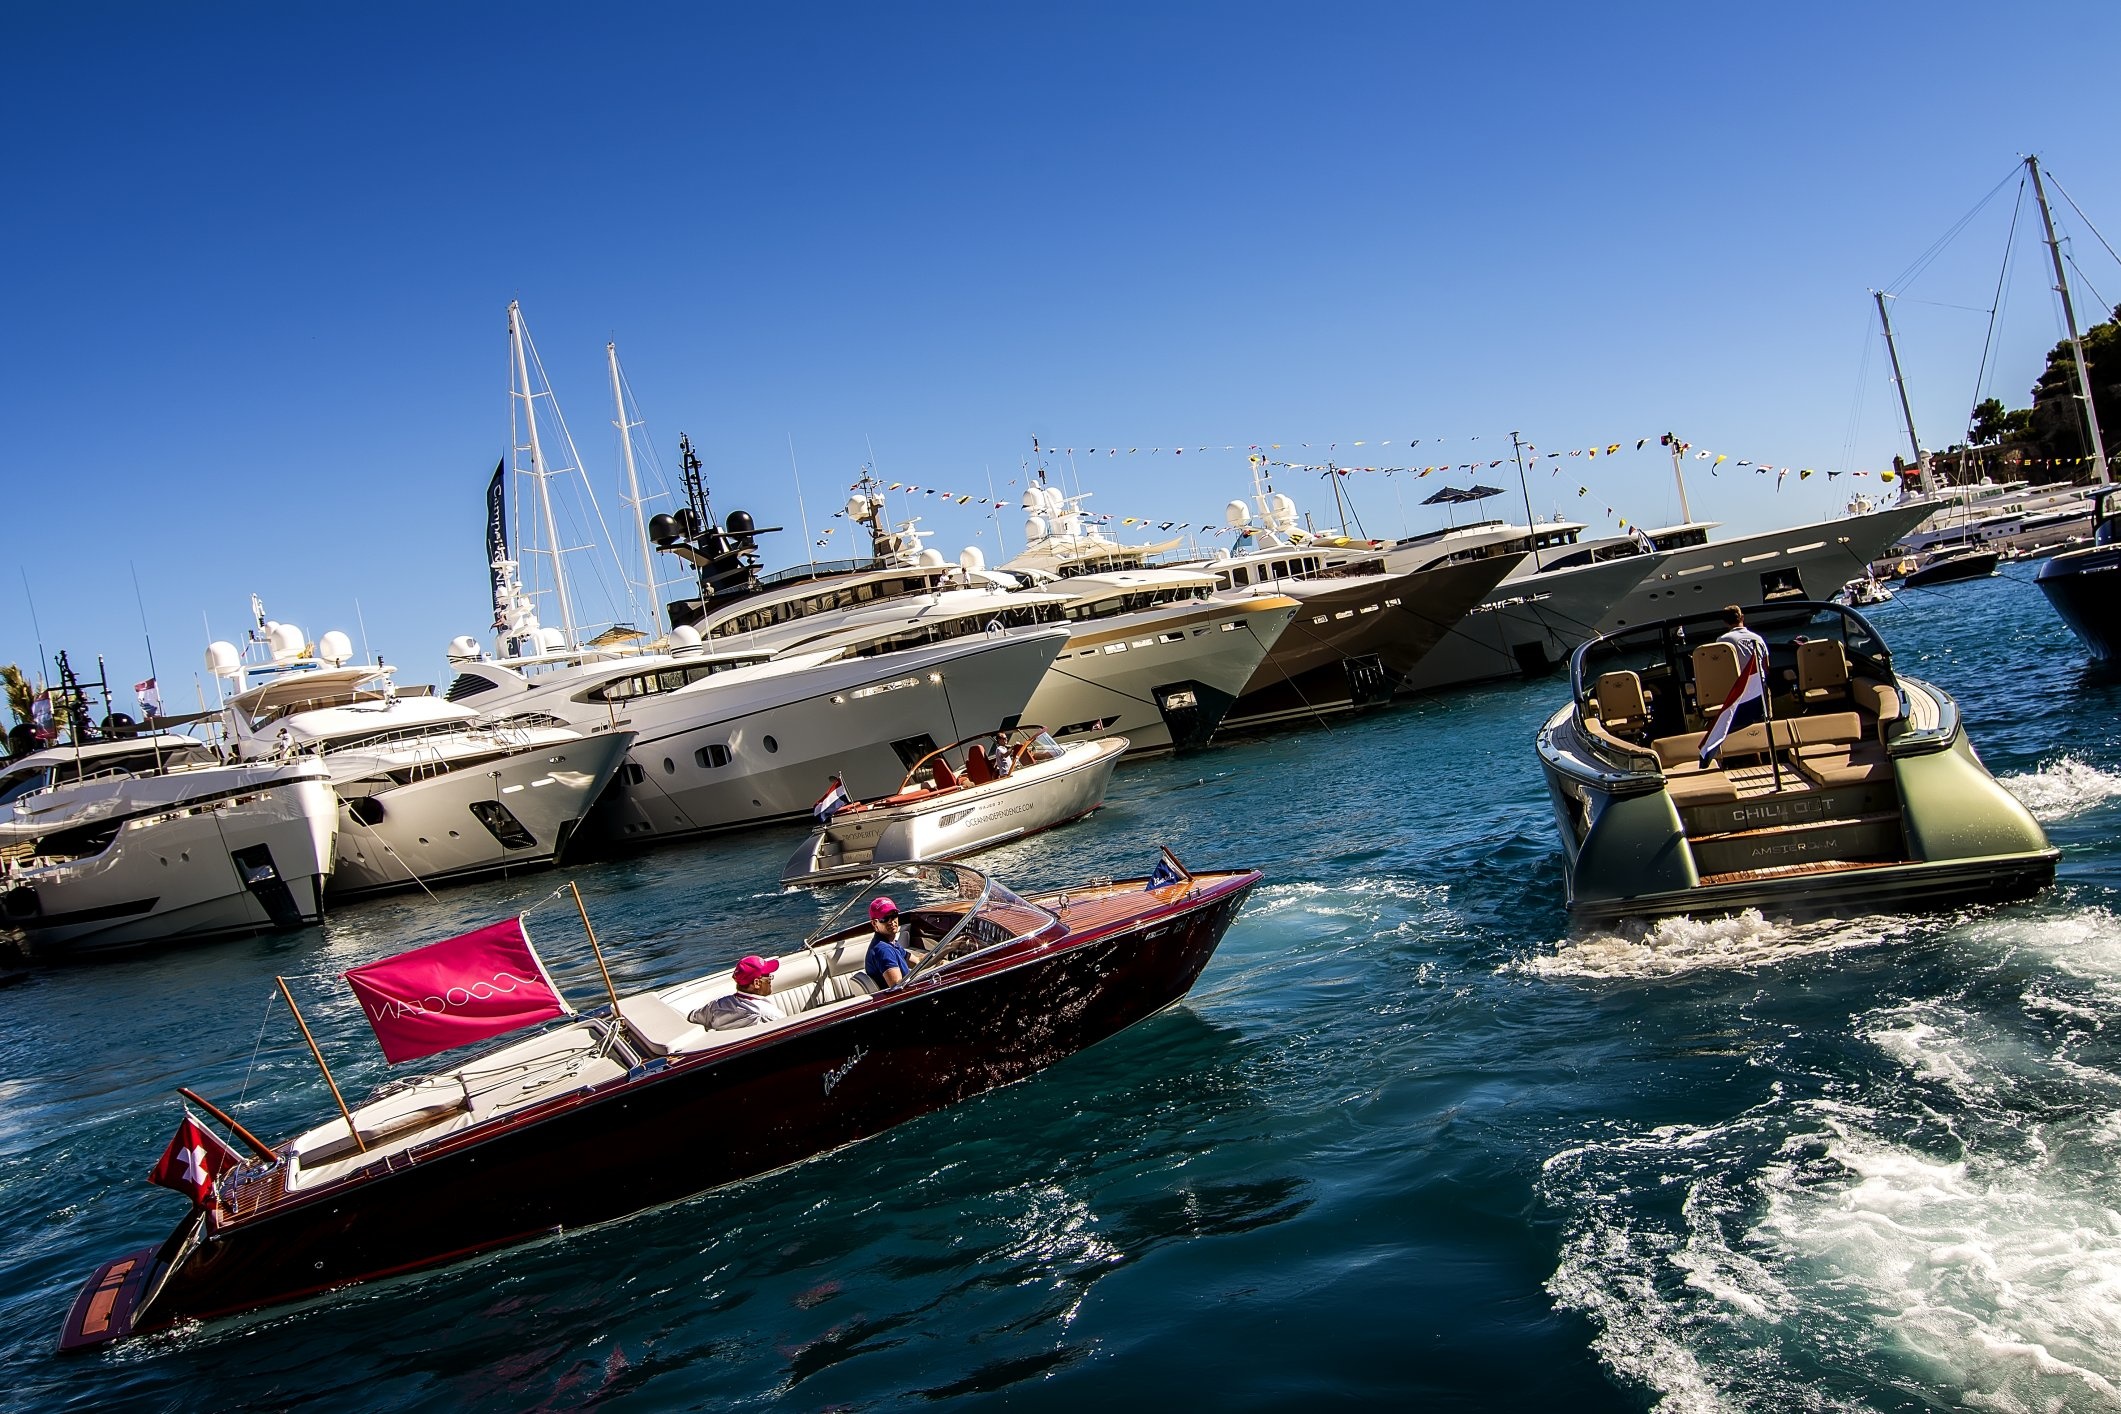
(1715, 674)
(1822, 671)
(1845, 763)
(1622, 705)
(657, 1028)
(1698, 786)
(1681, 750)
(1881, 700)
(977, 768)
(945, 778)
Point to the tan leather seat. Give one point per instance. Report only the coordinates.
(1822, 671)
(1715, 674)
(1622, 705)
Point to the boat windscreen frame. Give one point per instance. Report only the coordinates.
(1667, 642)
(968, 883)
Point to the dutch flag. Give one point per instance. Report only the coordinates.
(830, 803)
(1746, 704)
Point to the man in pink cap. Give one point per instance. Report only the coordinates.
(749, 1004)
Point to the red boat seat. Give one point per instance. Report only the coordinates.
(977, 770)
(945, 778)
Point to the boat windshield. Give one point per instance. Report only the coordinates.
(1658, 651)
(973, 912)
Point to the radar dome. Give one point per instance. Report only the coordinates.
(931, 559)
(550, 639)
(1036, 528)
(684, 636)
(1055, 501)
(663, 529)
(1282, 509)
(1033, 501)
(972, 558)
(462, 649)
(284, 640)
(222, 659)
(740, 523)
(335, 648)
(1236, 513)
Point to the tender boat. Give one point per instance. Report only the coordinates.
(965, 797)
(1862, 592)
(1861, 791)
(2085, 585)
(1950, 567)
(118, 843)
(601, 1114)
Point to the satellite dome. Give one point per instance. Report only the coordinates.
(740, 523)
(462, 649)
(972, 558)
(222, 659)
(663, 529)
(335, 648)
(684, 636)
(1282, 509)
(550, 639)
(284, 640)
(1055, 501)
(930, 560)
(1036, 528)
(1033, 501)
(1237, 513)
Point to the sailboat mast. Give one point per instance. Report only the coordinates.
(1531, 526)
(1892, 351)
(2069, 320)
(633, 485)
(516, 341)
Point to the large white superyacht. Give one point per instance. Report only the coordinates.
(428, 790)
(131, 840)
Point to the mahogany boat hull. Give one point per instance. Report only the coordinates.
(679, 1126)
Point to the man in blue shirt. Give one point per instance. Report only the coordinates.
(887, 963)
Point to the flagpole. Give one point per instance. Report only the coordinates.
(258, 1146)
(580, 908)
(1767, 720)
(350, 1128)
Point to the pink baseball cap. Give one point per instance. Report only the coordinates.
(753, 968)
(881, 908)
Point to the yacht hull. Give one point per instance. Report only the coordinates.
(251, 861)
(1803, 562)
(519, 811)
(1164, 680)
(2084, 586)
(1526, 625)
(692, 770)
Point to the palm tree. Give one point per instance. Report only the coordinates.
(19, 693)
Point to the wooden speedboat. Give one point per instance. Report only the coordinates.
(1860, 790)
(2084, 585)
(601, 1113)
(961, 798)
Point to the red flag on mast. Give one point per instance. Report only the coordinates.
(463, 989)
(194, 1162)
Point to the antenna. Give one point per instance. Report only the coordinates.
(42, 679)
(143, 620)
(802, 511)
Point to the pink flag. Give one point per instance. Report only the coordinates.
(454, 992)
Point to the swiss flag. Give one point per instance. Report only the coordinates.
(194, 1162)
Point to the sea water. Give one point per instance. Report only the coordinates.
(1410, 1142)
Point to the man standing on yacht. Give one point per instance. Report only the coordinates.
(1747, 702)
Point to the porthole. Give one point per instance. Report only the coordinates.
(771, 744)
(670, 767)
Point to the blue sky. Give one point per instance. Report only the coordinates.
(259, 258)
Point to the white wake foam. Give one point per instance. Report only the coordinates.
(1673, 947)
(2065, 788)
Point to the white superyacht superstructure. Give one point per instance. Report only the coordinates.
(428, 790)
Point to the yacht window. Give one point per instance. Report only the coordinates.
(14, 787)
(466, 685)
(711, 756)
(1241, 576)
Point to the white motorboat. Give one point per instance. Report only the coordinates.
(1862, 592)
(430, 791)
(965, 797)
(113, 844)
